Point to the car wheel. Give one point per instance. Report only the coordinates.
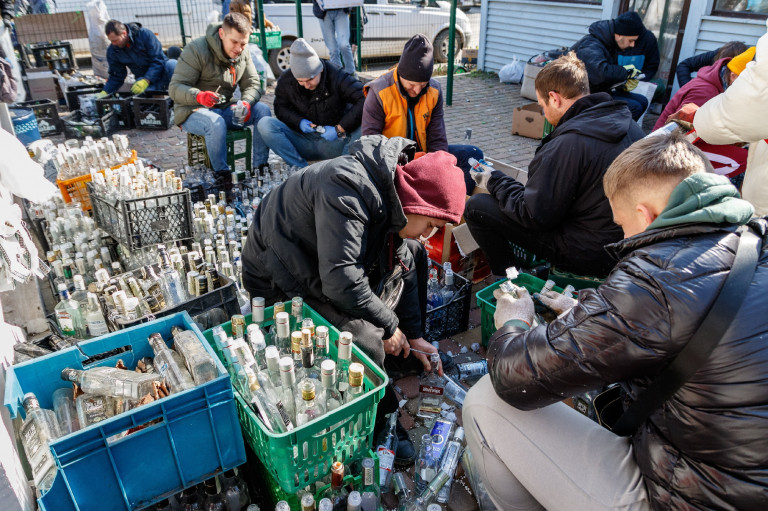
(441, 46)
(280, 58)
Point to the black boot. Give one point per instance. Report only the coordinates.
(405, 455)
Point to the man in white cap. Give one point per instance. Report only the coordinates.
(318, 109)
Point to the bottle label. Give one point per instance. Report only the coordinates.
(386, 458)
(31, 438)
(367, 477)
(66, 323)
(431, 390)
(97, 327)
(284, 415)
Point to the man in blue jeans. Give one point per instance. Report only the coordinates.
(209, 70)
(334, 23)
(318, 109)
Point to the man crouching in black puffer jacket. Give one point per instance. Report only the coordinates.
(706, 447)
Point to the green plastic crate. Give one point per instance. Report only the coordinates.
(300, 457)
(274, 39)
(487, 302)
(523, 258)
(564, 278)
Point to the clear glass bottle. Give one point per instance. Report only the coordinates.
(272, 356)
(404, 497)
(68, 315)
(325, 505)
(213, 500)
(449, 463)
(431, 389)
(288, 387)
(455, 390)
(234, 490)
(354, 501)
(283, 333)
(110, 381)
(343, 359)
(94, 318)
(296, 355)
(308, 502)
(337, 493)
(448, 290)
(426, 465)
(371, 496)
(331, 394)
(199, 363)
(311, 370)
(310, 409)
(154, 287)
(386, 453)
(37, 431)
(93, 408)
(355, 388)
(170, 365)
(434, 296)
(275, 418)
(173, 287)
(64, 408)
(258, 345)
(80, 295)
(322, 338)
(297, 312)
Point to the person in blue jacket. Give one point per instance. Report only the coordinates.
(138, 49)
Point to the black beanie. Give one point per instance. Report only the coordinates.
(629, 24)
(416, 61)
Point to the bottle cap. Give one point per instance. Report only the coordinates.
(308, 501)
(296, 342)
(356, 374)
(354, 499)
(286, 365)
(328, 367)
(345, 345)
(278, 308)
(306, 338)
(307, 391)
(257, 309)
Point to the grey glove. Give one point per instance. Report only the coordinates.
(508, 307)
(559, 303)
(480, 178)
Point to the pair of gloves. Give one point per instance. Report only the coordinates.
(138, 87)
(632, 81)
(209, 99)
(306, 126)
(521, 308)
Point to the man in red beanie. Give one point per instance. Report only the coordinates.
(339, 234)
(407, 102)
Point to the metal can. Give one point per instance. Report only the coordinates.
(238, 326)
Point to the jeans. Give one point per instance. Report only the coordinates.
(549, 458)
(213, 125)
(463, 153)
(637, 103)
(335, 28)
(296, 147)
(165, 78)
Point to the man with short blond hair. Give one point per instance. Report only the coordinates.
(561, 213)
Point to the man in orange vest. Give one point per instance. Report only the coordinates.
(407, 102)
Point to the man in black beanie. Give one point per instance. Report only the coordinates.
(606, 48)
(408, 102)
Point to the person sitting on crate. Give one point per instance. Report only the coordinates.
(599, 50)
(407, 102)
(702, 442)
(209, 70)
(138, 49)
(318, 108)
(339, 234)
(561, 213)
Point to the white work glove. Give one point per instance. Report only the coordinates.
(559, 303)
(508, 307)
(480, 178)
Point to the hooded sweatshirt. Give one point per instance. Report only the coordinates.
(600, 54)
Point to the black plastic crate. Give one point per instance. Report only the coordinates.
(137, 223)
(73, 93)
(152, 111)
(56, 57)
(453, 317)
(47, 115)
(77, 125)
(122, 104)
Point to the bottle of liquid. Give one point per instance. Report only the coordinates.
(331, 395)
(68, 315)
(337, 493)
(283, 333)
(370, 487)
(355, 388)
(434, 294)
(310, 409)
(94, 318)
(199, 363)
(297, 313)
(37, 431)
(431, 389)
(449, 463)
(288, 380)
(64, 408)
(321, 346)
(386, 453)
(110, 381)
(170, 365)
(343, 359)
(426, 464)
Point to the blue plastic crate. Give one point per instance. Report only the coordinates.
(197, 434)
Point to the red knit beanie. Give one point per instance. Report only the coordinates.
(432, 186)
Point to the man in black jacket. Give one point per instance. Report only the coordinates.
(561, 213)
(707, 446)
(318, 109)
(600, 51)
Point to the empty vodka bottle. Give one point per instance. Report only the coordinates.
(174, 288)
(426, 464)
(37, 431)
(296, 355)
(469, 370)
(64, 408)
(69, 316)
(308, 502)
(311, 370)
(331, 394)
(288, 387)
(274, 418)
(449, 463)
(297, 312)
(110, 381)
(431, 389)
(94, 319)
(354, 501)
(370, 486)
(386, 453)
(170, 365)
(404, 497)
(310, 409)
(454, 390)
(272, 356)
(200, 364)
(258, 344)
(355, 388)
(93, 408)
(343, 359)
(213, 500)
(283, 333)
(322, 339)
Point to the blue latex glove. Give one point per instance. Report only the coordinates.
(306, 126)
(330, 133)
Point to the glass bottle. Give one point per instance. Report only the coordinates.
(283, 333)
(370, 487)
(426, 465)
(310, 409)
(431, 388)
(404, 497)
(173, 286)
(288, 388)
(274, 418)
(199, 363)
(80, 295)
(170, 365)
(311, 370)
(468, 370)
(282, 506)
(277, 308)
(455, 390)
(355, 388)
(308, 502)
(448, 290)
(297, 312)
(213, 500)
(258, 345)
(110, 381)
(93, 408)
(354, 501)
(234, 490)
(154, 287)
(434, 296)
(336, 492)
(94, 318)
(68, 315)
(449, 463)
(386, 453)
(321, 345)
(331, 394)
(272, 356)
(190, 500)
(64, 408)
(296, 355)
(343, 358)
(37, 431)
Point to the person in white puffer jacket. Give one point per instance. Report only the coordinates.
(739, 115)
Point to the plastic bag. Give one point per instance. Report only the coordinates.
(265, 72)
(7, 50)
(512, 72)
(96, 18)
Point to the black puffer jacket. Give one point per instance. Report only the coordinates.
(338, 99)
(599, 52)
(323, 233)
(705, 448)
(563, 198)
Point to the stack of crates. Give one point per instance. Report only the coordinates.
(122, 104)
(47, 115)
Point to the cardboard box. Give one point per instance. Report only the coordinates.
(528, 90)
(42, 86)
(528, 121)
(469, 56)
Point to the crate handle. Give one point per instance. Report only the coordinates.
(93, 359)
